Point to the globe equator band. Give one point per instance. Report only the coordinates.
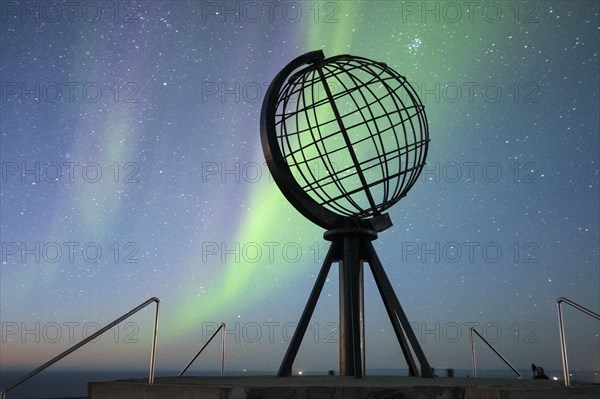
(399, 173)
(357, 142)
(374, 184)
(401, 121)
(371, 159)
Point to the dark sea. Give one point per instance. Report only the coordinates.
(62, 384)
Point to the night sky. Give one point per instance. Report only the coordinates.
(132, 168)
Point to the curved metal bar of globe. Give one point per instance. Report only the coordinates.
(277, 165)
(398, 317)
(285, 370)
(351, 152)
(275, 161)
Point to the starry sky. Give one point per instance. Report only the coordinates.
(132, 168)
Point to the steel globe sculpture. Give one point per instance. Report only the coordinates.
(345, 138)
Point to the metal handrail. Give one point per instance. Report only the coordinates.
(91, 338)
(561, 333)
(473, 330)
(222, 329)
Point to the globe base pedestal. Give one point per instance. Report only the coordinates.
(350, 248)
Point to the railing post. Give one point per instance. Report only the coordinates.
(91, 338)
(561, 333)
(473, 330)
(221, 327)
(153, 347)
(473, 361)
(563, 344)
(223, 350)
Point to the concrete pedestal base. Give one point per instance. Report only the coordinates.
(335, 387)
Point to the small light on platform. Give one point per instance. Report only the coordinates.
(300, 372)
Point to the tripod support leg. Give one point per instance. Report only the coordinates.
(285, 370)
(352, 342)
(350, 251)
(398, 317)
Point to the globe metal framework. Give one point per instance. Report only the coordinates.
(345, 138)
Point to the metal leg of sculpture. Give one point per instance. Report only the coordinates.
(351, 308)
(285, 370)
(412, 365)
(397, 315)
(350, 251)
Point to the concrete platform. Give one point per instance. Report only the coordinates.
(334, 387)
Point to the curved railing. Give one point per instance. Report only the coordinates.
(561, 333)
(91, 338)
